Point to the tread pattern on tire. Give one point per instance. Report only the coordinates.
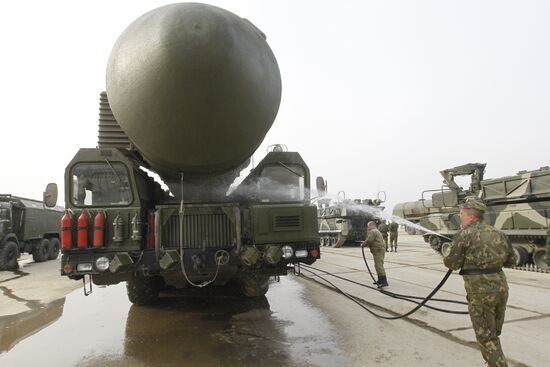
(6, 264)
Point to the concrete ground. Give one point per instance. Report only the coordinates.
(416, 269)
(300, 322)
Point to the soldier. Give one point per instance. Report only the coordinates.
(393, 235)
(383, 228)
(480, 251)
(375, 242)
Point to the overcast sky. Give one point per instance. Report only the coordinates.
(377, 95)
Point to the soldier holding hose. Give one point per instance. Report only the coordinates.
(377, 246)
(480, 251)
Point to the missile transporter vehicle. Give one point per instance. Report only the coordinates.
(192, 90)
(517, 205)
(27, 226)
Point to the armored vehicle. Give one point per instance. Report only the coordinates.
(517, 205)
(439, 213)
(343, 221)
(192, 90)
(27, 226)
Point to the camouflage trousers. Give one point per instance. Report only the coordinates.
(378, 256)
(393, 240)
(487, 315)
(385, 237)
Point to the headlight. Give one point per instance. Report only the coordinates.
(288, 252)
(301, 253)
(102, 263)
(84, 267)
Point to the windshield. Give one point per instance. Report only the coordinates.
(4, 213)
(282, 182)
(100, 184)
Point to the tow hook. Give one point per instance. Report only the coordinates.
(86, 292)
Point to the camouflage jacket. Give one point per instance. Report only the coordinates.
(394, 227)
(383, 228)
(375, 240)
(481, 246)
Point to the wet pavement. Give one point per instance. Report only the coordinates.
(104, 329)
(46, 321)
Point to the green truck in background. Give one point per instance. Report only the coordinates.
(192, 90)
(26, 225)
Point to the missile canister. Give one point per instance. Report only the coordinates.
(195, 88)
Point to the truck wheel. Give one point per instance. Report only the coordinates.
(8, 256)
(54, 248)
(445, 249)
(539, 259)
(41, 252)
(522, 255)
(142, 290)
(255, 286)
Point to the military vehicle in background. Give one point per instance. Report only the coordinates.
(343, 221)
(518, 205)
(26, 225)
(192, 90)
(439, 213)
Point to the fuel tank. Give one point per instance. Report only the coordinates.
(195, 87)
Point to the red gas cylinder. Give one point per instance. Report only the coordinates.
(66, 231)
(151, 224)
(99, 229)
(82, 230)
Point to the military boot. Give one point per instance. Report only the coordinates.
(382, 282)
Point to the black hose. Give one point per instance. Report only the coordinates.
(391, 294)
(416, 308)
(367, 264)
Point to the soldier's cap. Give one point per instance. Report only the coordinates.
(474, 203)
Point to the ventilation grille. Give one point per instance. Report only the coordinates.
(199, 231)
(110, 134)
(287, 223)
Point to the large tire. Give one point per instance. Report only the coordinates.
(539, 259)
(445, 248)
(54, 248)
(142, 290)
(41, 252)
(254, 286)
(522, 255)
(8, 256)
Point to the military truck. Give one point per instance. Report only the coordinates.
(517, 205)
(192, 90)
(26, 225)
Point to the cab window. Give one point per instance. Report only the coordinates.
(100, 184)
(281, 182)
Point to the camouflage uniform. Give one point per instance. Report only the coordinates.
(375, 242)
(383, 228)
(393, 235)
(481, 251)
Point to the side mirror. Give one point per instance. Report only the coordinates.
(50, 195)
(379, 196)
(321, 185)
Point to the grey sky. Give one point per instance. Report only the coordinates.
(377, 95)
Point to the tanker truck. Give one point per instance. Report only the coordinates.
(191, 91)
